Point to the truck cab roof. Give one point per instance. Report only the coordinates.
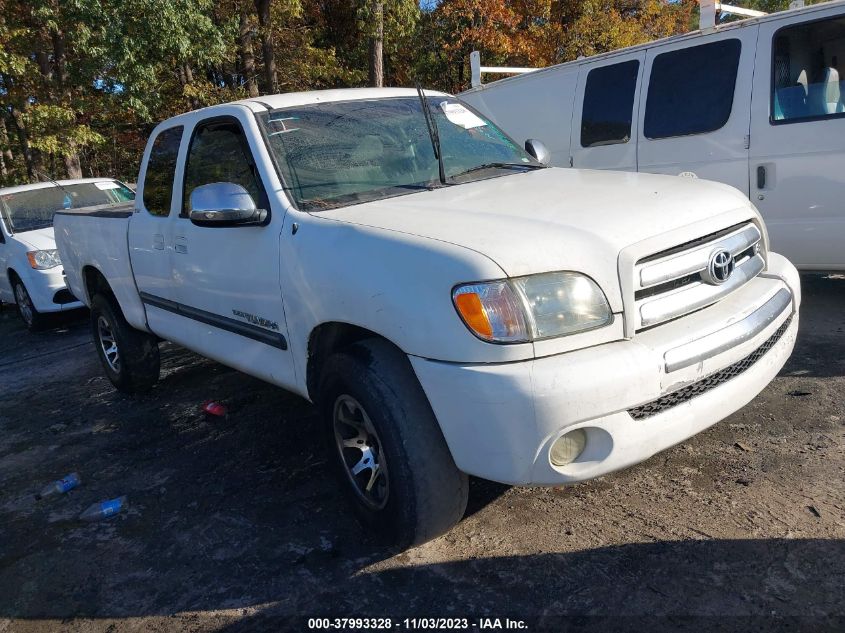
(291, 99)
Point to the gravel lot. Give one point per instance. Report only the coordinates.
(234, 524)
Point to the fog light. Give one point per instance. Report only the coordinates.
(568, 447)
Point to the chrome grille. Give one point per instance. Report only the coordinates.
(712, 381)
(672, 283)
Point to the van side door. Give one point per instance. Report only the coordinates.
(797, 166)
(696, 99)
(604, 125)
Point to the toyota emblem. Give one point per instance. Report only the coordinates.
(719, 268)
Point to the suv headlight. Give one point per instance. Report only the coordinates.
(531, 308)
(42, 260)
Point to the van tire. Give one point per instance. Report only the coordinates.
(134, 365)
(426, 494)
(31, 317)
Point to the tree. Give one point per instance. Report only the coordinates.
(262, 7)
(535, 32)
(82, 82)
(247, 57)
(377, 45)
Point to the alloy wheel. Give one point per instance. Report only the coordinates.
(108, 344)
(24, 303)
(360, 450)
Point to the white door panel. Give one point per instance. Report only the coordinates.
(797, 164)
(6, 247)
(227, 279)
(722, 153)
(608, 150)
(150, 241)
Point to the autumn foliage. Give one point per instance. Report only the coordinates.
(83, 81)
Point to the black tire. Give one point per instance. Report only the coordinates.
(136, 368)
(31, 317)
(426, 493)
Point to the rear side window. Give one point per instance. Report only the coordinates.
(609, 104)
(219, 153)
(158, 180)
(808, 83)
(691, 90)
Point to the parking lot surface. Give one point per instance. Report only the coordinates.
(236, 524)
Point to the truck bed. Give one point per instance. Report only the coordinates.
(121, 210)
(97, 237)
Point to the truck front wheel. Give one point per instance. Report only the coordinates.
(387, 447)
(129, 357)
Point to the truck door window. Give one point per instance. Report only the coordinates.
(158, 181)
(807, 72)
(219, 153)
(609, 104)
(691, 90)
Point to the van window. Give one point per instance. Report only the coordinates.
(691, 90)
(807, 72)
(158, 180)
(609, 104)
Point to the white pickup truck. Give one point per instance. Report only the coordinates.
(453, 305)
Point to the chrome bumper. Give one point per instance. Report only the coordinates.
(729, 337)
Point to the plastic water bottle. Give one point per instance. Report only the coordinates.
(104, 509)
(61, 486)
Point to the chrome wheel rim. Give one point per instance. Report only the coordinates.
(360, 451)
(24, 303)
(108, 345)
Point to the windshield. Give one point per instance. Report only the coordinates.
(342, 153)
(34, 209)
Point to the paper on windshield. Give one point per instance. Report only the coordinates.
(107, 185)
(459, 115)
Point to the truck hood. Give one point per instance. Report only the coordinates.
(555, 219)
(37, 240)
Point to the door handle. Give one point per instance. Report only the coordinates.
(180, 244)
(761, 176)
(158, 242)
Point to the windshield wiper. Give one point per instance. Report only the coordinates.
(498, 166)
(47, 176)
(431, 124)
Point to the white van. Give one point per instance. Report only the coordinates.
(31, 273)
(757, 104)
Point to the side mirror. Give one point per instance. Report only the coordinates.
(538, 151)
(224, 204)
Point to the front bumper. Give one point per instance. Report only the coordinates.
(633, 398)
(48, 290)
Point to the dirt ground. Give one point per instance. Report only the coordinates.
(234, 524)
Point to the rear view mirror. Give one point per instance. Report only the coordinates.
(224, 204)
(538, 151)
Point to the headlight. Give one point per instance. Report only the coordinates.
(42, 260)
(532, 308)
